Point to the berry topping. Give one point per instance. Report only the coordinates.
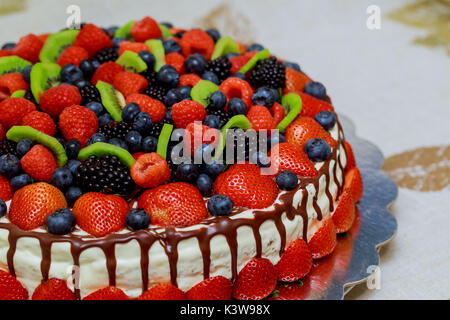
(9, 165)
(12, 82)
(164, 291)
(39, 163)
(153, 107)
(220, 205)
(220, 67)
(323, 241)
(326, 119)
(40, 121)
(237, 88)
(353, 182)
(145, 29)
(317, 150)
(186, 112)
(351, 162)
(150, 170)
(129, 83)
(316, 89)
(78, 122)
(287, 180)
(92, 38)
(304, 129)
(20, 181)
(197, 41)
(62, 178)
(108, 293)
(295, 80)
(344, 214)
(287, 156)
(53, 289)
(28, 48)
(312, 106)
(106, 72)
(61, 221)
(73, 55)
(6, 189)
(12, 111)
(11, 288)
(215, 288)
(260, 118)
(137, 219)
(295, 263)
(268, 72)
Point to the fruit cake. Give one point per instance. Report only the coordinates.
(128, 171)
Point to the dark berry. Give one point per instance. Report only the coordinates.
(133, 139)
(168, 76)
(104, 119)
(96, 107)
(73, 147)
(292, 65)
(287, 180)
(106, 55)
(171, 45)
(3, 208)
(149, 144)
(8, 46)
(71, 73)
(264, 97)
(72, 194)
(20, 181)
(214, 169)
(142, 123)
(156, 91)
(62, 178)
(220, 205)
(117, 41)
(220, 67)
(268, 72)
(119, 143)
(148, 58)
(212, 121)
(236, 106)
(167, 24)
(60, 222)
(116, 129)
(217, 100)
(317, 150)
(326, 119)
(214, 34)
(137, 219)
(255, 47)
(130, 111)
(9, 165)
(96, 137)
(195, 63)
(89, 93)
(87, 68)
(173, 96)
(72, 165)
(26, 73)
(23, 146)
(238, 75)
(185, 92)
(231, 55)
(8, 146)
(187, 172)
(204, 184)
(316, 89)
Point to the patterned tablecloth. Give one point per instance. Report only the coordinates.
(393, 82)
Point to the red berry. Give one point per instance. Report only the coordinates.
(260, 118)
(288, 156)
(73, 55)
(312, 106)
(79, 123)
(56, 99)
(108, 293)
(150, 170)
(295, 80)
(2, 132)
(164, 291)
(40, 121)
(12, 111)
(196, 134)
(28, 48)
(39, 163)
(128, 83)
(53, 289)
(197, 41)
(344, 214)
(107, 72)
(277, 112)
(351, 162)
(145, 29)
(303, 129)
(153, 107)
(215, 288)
(6, 191)
(295, 263)
(11, 288)
(186, 112)
(6, 53)
(92, 38)
(237, 88)
(175, 60)
(323, 241)
(189, 79)
(11, 82)
(238, 62)
(132, 46)
(353, 182)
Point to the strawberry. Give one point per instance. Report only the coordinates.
(175, 60)
(164, 291)
(79, 123)
(324, 240)
(6, 53)
(187, 111)
(277, 112)
(312, 106)
(295, 263)
(189, 79)
(238, 62)
(56, 99)
(150, 170)
(73, 55)
(256, 280)
(246, 187)
(31, 205)
(6, 191)
(137, 155)
(108, 293)
(92, 38)
(153, 107)
(351, 162)
(344, 214)
(12, 111)
(28, 48)
(107, 72)
(144, 29)
(237, 88)
(39, 163)
(11, 288)
(303, 129)
(128, 83)
(295, 80)
(43, 37)
(197, 134)
(288, 156)
(215, 288)
(100, 214)
(176, 204)
(53, 289)
(11, 82)
(132, 46)
(2, 132)
(40, 121)
(353, 182)
(197, 41)
(260, 118)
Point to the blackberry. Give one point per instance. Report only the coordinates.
(222, 114)
(8, 147)
(115, 129)
(150, 76)
(89, 93)
(220, 67)
(106, 54)
(155, 130)
(29, 96)
(106, 174)
(268, 72)
(156, 91)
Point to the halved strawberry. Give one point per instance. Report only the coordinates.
(295, 80)
(150, 170)
(108, 293)
(189, 79)
(353, 182)
(303, 129)
(11, 288)
(351, 162)
(324, 240)
(164, 291)
(295, 262)
(237, 88)
(11, 82)
(53, 289)
(312, 106)
(344, 214)
(215, 288)
(288, 156)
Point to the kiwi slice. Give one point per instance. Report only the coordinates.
(163, 140)
(56, 43)
(124, 31)
(44, 75)
(112, 99)
(157, 48)
(12, 64)
(202, 91)
(294, 103)
(18, 133)
(261, 55)
(224, 46)
(18, 94)
(132, 62)
(239, 121)
(101, 149)
(165, 31)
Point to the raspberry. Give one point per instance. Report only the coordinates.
(6, 190)
(92, 38)
(11, 82)
(39, 163)
(106, 54)
(153, 107)
(175, 60)
(12, 111)
(268, 72)
(28, 48)
(73, 55)
(260, 118)
(190, 79)
(150, 170)
(79, 123)
(56, 99)
(40, 121)
(187, 111)
(197, 41)
(220, 66)
(237, 88)
(132, 46)
(128, 83)
(106, 72)
(145, 29)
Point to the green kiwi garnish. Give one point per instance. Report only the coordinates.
(18, 94)
(202, 91)
(132, 62)
(157, 48)
(261, 55)
(124, 31)
(101, 149)
(12, 64)
(165, 31)
(294, 102)
(44, 75)
(18, 133)
(239, 121)
(224, 46)
(56, 43)
(163, 140)
(112, 99)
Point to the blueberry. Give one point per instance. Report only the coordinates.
(130, 111)
(149, 144)
(204, 184)
(112, 29)
(3, 208)
(195, 63)
(214, 34)
(26, 73)
(167, 24)
(80, 83)
(9, 165)
(287, 180)
(292, 65)
(87, 68)
(62, 178)
(263, 97)
(238, 75)
(133, 139)
(276, 94)
(105, 119)
(119, 143)
(214, 169)
(275, 139)
(168, 116)
(171, 45)
(62, 142)
(220, 205)
(95, 64)
(260, 159)
(71, 73)
(168, 76)
(316, 89)
(217, 100)
(23, 146)
(173, 96)
(317, 150)
(20, 181)
(73, 147)
(72, 194)
(142, 122)
(212, 121)
(72, 165)
(95, 107)
(187, 172)
(137, 219)
(184, 92)
(326, 119)
(236, 106)
(8, 46)
(231, 55)
(96, 137)
(60, 222)
(117, 41)
(148, 58)
(211, 76)
(255, 47)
